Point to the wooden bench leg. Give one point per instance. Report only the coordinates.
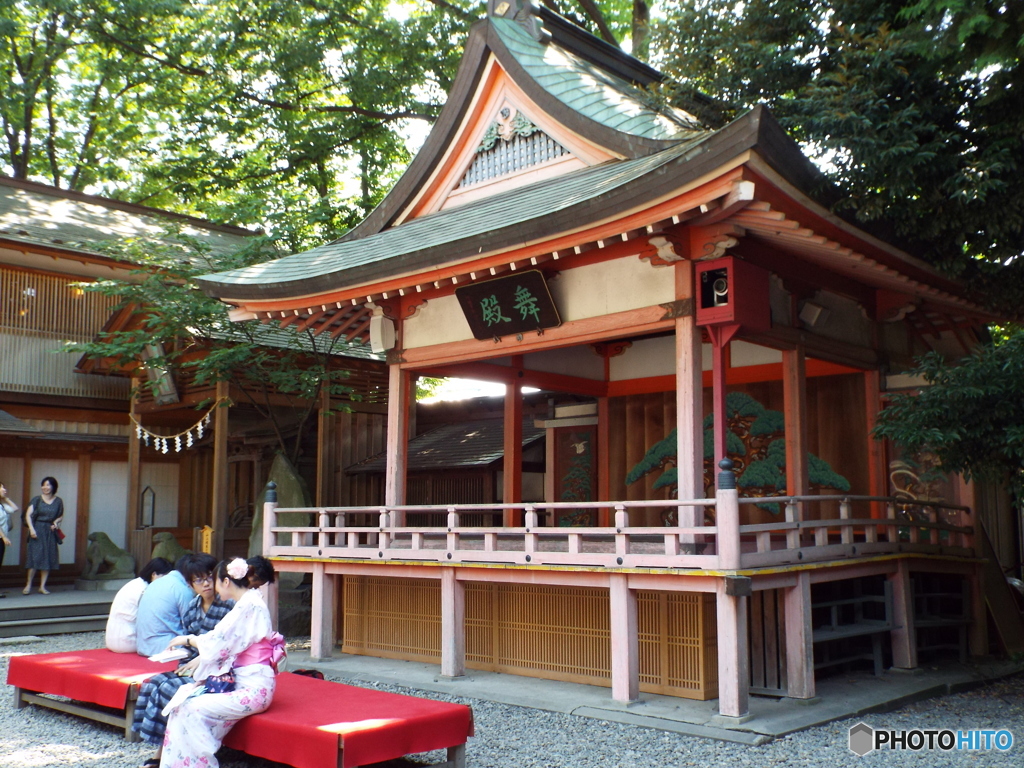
(19, 702)
(129, 717)
(457, 756)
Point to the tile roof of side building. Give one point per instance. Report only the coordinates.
(453, 446)
(45, 216)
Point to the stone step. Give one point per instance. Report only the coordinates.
(57, 625)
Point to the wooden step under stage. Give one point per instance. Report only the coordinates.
(63, 610)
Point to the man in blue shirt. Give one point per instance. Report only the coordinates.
(159, 618)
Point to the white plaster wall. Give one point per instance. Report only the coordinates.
(439, 321)
(572, 361)
(656, 357)
(611, 286)
(11, 473)
(162, 478)
(647, 357)
(743, 353)
(108, 499)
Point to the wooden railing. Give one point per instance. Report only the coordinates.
(378, 534)
(909, 526)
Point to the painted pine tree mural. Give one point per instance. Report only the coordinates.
(755, 442)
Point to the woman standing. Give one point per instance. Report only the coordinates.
(238, 658)
(43, 517)
(8, 509)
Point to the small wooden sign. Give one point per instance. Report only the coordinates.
(515, 303)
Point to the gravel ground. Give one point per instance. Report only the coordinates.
(513, 737)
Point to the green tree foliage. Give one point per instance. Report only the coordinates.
(176, 327)
(972, 415)
(241, 111)
(915, 111)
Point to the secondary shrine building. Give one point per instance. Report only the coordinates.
(560, 230)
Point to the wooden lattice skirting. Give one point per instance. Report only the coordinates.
(550, 632)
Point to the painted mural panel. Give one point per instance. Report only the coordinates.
(576, 472)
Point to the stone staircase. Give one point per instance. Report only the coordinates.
(64, 610)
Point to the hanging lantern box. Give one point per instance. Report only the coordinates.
(731, 291)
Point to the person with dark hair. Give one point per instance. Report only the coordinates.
(162, 608)
(235, 675)
(120, 635)
(43, 517)
(261, 570)
(204, 613)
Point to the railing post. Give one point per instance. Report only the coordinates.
(384, 538)
(792, 516)
(453, 524)
(322, 535)
(846, 531)
(799, 639)
(903, 635)
(453, 624)
(621, 524)
(269, 517)
(727, 514)
(625, 639)
(530, 522)
(321, 645)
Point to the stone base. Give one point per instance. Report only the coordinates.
(727, 721)
(100, 585)
(902, 671)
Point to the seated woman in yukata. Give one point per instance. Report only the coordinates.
(202, 615)
(235, 677)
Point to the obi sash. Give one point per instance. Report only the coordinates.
(269, 651)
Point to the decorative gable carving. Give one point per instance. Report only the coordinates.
(510, 144)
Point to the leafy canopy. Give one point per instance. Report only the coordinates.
(175, 327)
(972, 415)
(914, 110)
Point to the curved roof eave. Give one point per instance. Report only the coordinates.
(525, 214)
(484, 40)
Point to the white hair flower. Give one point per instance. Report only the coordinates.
(237, 569)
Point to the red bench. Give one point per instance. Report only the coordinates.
(102, 684)
(311, 723)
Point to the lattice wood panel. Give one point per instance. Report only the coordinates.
(38, 314)
(555, 633)
(678, 644)
(393, 618)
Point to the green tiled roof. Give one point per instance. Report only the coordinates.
(591, 91)
(274, 336)
(39, 215)
(517, 206)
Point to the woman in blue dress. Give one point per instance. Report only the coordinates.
(43, 517)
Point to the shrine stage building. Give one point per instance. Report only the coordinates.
(720, 522)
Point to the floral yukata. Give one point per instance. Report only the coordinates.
(198, 725)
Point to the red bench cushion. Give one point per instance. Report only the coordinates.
(98, 677)
(308, 717)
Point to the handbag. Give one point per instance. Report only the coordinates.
(220, 683)
(60, 535)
